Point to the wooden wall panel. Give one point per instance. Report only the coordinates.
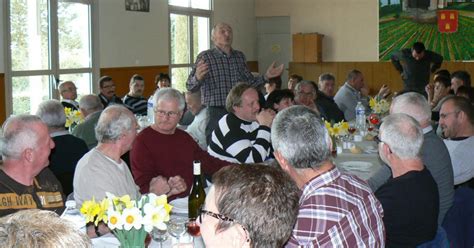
(122, 75)
(376, 74)
(343, 69)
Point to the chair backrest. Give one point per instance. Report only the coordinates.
(459, 220)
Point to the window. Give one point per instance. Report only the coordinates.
(189, 35)
(48, 41)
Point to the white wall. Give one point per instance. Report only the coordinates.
(129, 38)
(350, 26)
(240, 14)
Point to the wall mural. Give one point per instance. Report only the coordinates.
(444, 26)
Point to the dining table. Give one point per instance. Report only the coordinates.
(362, 161)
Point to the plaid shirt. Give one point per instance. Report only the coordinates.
(338, 210)
(225, 71)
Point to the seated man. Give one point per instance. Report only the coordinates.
(456, 119)
(134, 100)
(410, 198)
(335, 209)
(107, 92)
(325, 97)
(197, 128)
(163, 150)
(434, 154)
(243, 135)
(68, 148)
(279, 100)
(102, 170)
(251, 206)
(354, 91)
(68, 92)
(40, 228)
(460, 78)
(305, 94)
(25, 182)
(90, 107)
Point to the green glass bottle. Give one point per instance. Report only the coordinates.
(197, 195)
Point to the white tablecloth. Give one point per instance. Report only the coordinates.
(363, 165)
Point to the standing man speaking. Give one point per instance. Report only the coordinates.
(415, 66)
(218, 69)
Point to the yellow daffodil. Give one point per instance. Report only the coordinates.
(72, 117)
(90, 209)
(379, 106)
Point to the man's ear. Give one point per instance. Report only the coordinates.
(281, 160)
(27, 154)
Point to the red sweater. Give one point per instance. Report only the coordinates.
(155, 154)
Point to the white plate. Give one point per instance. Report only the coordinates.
(180, 205)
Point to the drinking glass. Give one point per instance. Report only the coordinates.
(159, 235)
(193, 229)
(177, 227)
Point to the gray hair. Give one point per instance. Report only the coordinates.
(40, 228)
(18, 135)
(326, 77)
(217, 26)
(113, 122)
(305, 82)
(301, 137)
(414, 105)
(403, 135)
(353, 74)
(167, 94)
(90, 103)
(52, 113)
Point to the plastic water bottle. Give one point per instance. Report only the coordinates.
(73, 214)
(360, 117)
(150, 112)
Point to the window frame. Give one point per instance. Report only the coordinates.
(54, 72)
(190, 13)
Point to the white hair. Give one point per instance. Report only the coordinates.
(52, 113)
(414, 105)
(18, 135)
(403, 134)
(113, 122)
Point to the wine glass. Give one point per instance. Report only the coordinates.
(352, 128)
(177, 227)
(373, 121)
(193, 228)
(159, 235)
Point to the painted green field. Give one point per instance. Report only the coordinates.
(402, 33)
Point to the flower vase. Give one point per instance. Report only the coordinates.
(132, 238)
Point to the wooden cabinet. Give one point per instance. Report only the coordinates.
(307, 48)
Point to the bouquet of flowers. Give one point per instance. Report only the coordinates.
(128, 219)
(337, 129)
(73, 117)
(379, 106)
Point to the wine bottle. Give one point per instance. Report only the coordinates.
(197, 195)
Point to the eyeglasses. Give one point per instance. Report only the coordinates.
(170, 114)
(222, 218)
(445, 115)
